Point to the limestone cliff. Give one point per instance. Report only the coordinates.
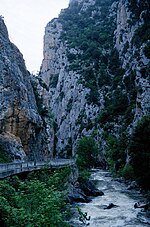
(22, 134)
(132, 43)
(67, 97)
(96, 71)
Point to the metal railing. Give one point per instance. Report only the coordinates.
(8, 169)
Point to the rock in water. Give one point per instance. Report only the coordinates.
(111, 205)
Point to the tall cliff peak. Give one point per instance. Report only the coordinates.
(97, 75)
(21, 126)
(3, 28)
(75, 1)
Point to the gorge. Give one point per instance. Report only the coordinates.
(91, 98)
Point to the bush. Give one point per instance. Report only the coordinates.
(127, 172)
(37, 201)
(147, 50)
(84, 176)
(87, 151)
(4, 157)
(116, 152)
(139, 151)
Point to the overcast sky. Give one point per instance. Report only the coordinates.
(26, 21)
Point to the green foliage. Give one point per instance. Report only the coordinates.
(127, 172)
(142, 34)
(37, 201)
(121, 97)
(38, 98)
(129, 82)
(87, 151)
(43, 84)
(84, 176)
(98, 61)
(145, 71)
(89, 33)
(53, 80)
(103, 117)
(147, 50)
(137, 7)
(116, 152)
(117, 103)
(56, 179)
(4, 157)
(140, 9)
(139, 151)
(68, 148)
(83, 217)
(69, 105)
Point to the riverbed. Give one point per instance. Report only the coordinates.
(123, 214)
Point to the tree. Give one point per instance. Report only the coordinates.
(87, 151)
(139, 151)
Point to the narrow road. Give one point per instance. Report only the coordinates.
(8, 169)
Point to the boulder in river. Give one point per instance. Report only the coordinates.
(90, 189)
(111, 205)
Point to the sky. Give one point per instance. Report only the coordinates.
(26, 21)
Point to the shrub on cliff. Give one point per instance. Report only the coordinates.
(4, 157)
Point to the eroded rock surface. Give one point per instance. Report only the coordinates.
(22, 133)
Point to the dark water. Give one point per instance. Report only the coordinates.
(114, 192)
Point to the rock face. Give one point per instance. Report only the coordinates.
(97, 76)
(21, 127)
(66, 96)
(131, 50)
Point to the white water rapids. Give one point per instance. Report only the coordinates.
(114, 192)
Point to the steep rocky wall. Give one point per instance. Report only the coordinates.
(65, 97)
(97, 77)
(132, 18)
(21, 127)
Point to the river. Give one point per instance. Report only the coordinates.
(124, 214)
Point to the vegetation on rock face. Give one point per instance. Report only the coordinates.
(137, 145)
(37, 201)
(89, 36)
(4, 157)
(89, 32)
(38, 98)
(139, 150)
(138, 7)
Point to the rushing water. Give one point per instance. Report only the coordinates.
(114, 192)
